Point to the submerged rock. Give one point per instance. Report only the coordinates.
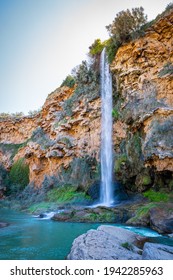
(157, 252)
(98, 214)
(2, 224)
(106, 243)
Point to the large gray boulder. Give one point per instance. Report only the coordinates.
(106, 243)
(161, 218)
(152, 251)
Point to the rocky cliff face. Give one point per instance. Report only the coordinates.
(143, 135)
(62, 143)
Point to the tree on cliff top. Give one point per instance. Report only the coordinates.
(125, 24)
(96, 48)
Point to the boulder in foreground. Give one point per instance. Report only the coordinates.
(106, 243)
(115, 243)
(153, 251)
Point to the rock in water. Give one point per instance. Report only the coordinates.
(2, 225)
(105, 243)
(161, 218)
(153, 251)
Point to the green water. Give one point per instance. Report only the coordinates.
(29, 238)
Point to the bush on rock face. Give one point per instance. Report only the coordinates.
(18, 176)
(66, 194)
(69, 82)
(156, 196)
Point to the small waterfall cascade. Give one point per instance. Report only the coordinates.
(106, 191)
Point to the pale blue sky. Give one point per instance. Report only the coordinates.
(42, 40)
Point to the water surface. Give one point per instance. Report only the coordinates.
(29, 238)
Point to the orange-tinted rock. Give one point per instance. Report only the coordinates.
(145, 82)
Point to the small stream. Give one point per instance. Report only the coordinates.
(30, 238)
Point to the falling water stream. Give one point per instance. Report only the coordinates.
(106, 193)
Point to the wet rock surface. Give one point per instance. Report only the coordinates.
(99, 214)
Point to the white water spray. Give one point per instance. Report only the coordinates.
(106, 194)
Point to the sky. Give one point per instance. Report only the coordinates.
(43, 40)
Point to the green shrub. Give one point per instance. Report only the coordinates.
(144, 210)
(127, 246)
(96, 47)
(115, 114)
(156, 196)
(122, 159)
(142, 214)
(40, 207)
(137, 142)
(111, 49)
(12, 148)
(146, 180)
(66, 194)
(16, 115)
(167, 69)
(69, 82)
(19, 175)
(33, 113)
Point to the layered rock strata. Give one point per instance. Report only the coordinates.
(143, 135)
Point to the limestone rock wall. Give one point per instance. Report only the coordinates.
(56, 143)
(143, 74)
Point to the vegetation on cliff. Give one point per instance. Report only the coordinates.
(18, 177)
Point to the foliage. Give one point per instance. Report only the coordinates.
(87, 86)
(100, 217)
(137, 143)
(4, 116)
(69, 81)
(127, 246)
(121, 160)
(65, 139)
(156, 196)
(83, 73)
(66, 194)
(12, 148)
(96, 47)
(33, 113)
(142, 214)
(111, 49)
(11, 116)
(115, 114)
(167, 69)
(59, 123)
(18, 176)
(169, 6)
(146, 180)
(41, 206)
(40, 137)
(125, 24)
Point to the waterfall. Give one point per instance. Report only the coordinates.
(106, 192)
